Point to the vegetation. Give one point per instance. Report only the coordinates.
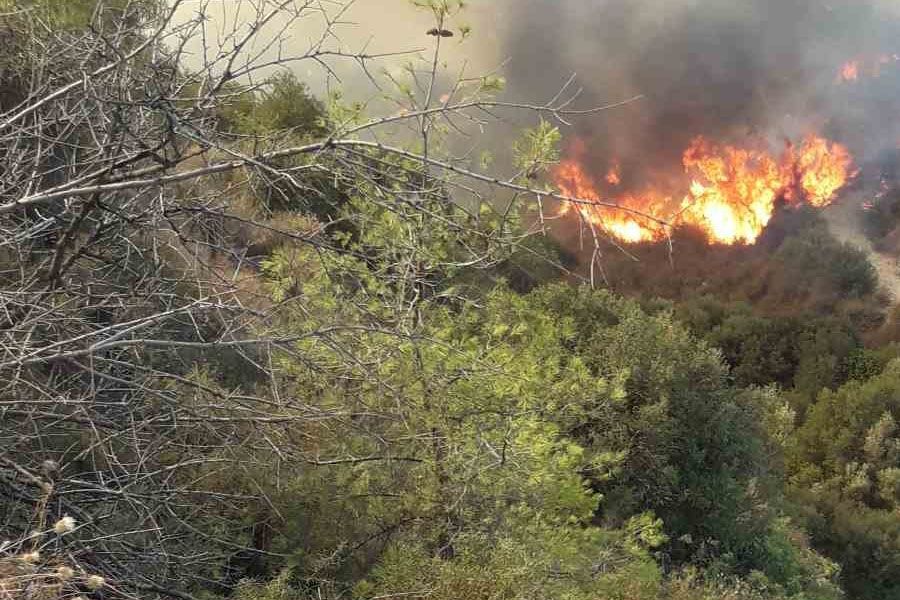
(262, 345)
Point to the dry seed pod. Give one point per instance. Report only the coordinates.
(64, 525)
(94, 582)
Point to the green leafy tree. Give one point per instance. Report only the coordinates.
(844, 468)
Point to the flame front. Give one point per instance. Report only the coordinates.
(732, 194)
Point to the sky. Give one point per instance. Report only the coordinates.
(724, 69)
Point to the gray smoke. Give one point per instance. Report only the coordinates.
(725, 69)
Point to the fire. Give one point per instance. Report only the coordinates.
(823, 168)
(871, 66)
(614, 175)
(733, 192)
(573, 181)
(732, 195)
(849, 71)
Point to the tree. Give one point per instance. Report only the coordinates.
(245, 336)
(148, 199)
(508, 451)
(844, 471)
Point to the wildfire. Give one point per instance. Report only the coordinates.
(614, 175)
(849, 71)
(732, 194)
(574, 182)
(873, 66)
(823, 169)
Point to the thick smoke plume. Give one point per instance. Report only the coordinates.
(722, 69)
(734, 71)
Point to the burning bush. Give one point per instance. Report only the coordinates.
(732, 195)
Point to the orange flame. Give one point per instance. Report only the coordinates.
(614, 175)
(732, 195)
(823, 169)
(574, 182)
(849, 71)
(871, 66)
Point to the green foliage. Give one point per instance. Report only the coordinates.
(537, 260)
(760, 350)
(814, 258)
(537, 150)
(530, 560)
(797, 269)
(283, 105)
(73, 15)
(552, 433)
(441, 8)
(434, 415)
(282, 112)
(866, 363)
(800, 353)
(844, 468)
(831, 444)
(278, 588)
(839, 487)
(64, 14)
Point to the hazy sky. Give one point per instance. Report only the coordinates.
(721, 68)
(378, 26)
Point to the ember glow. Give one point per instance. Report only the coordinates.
(732, 193)
(849, 71)
(614, 175)
(869, 67)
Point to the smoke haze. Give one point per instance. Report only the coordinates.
(722, 69)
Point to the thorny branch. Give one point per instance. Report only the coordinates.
(127, 257)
